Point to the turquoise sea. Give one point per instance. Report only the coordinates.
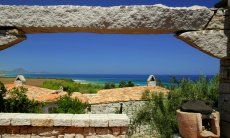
(102, 78)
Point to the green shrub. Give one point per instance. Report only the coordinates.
(71, 86)
(68, 105)
(109, 85)
(19, 103)
(130, 84)
(126, 84)
(159, 112)
(122, 84)
(2, 94)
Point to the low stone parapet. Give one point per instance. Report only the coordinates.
(63, 125)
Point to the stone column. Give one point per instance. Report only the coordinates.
(224, 100)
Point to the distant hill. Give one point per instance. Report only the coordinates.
(20, 71)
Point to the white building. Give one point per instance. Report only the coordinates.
(151, 81)
(19, 80)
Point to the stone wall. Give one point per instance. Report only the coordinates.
(63, 125)
(128, 108)
(205, 29)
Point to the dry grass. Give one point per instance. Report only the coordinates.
(29, 81)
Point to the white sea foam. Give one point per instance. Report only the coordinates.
(81, 81)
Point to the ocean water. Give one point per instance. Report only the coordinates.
(102, 78)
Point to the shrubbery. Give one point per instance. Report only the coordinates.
(71, 86)
(17, 102)
(159, 112)
(2, 94)
(68, 105)
(126, 84)
(109, 85)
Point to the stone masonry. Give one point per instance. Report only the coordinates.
(63, 125)
(195, 25)
(80, 125)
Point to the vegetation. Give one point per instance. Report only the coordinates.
(17, 102)
(2, 94)
(68, 105)
(126, 84)
(109, 85)
(70, 86)
(159, 112)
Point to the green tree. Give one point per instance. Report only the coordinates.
(109, 85)
(122, 84)
(17, 102)
(130, 84)
(2, 94)
(68, 105)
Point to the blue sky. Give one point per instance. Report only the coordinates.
(88, 53)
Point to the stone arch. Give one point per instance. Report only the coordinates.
(204, 29)
(195, 25)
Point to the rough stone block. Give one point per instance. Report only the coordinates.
(63, 120)
(211, 42)
(225, 88)
(124, 130)
(118, 19)
(101, 136)
(102, 130)
(37, 136)
(13, 129)
(24, 129)
(121, 136)
(99, 120)
(118, 120)
(75, 130)
(15, 136)
(88, 131)
(61, 136)
(2, 130)
(32, 130)
(116, 131)
(45, 131)
(42, 119)
(80, 120)
(225, 127)
(5, 118)
(10, 37)
(20, 120)
(69, 135)
(79, 136)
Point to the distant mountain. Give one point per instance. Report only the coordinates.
(20, 71)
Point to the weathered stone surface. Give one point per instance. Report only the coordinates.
(99, 120)
(221, 20)
(211, 42)
(80, 120)
(9, 37)
(63, 120)
(69, 135)
(79, 136)
(15, 136)
(42, 119)
(20, 120)
(224, 102)
(5, 118)
(103, 136)
(118, 120)
(118, 19)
